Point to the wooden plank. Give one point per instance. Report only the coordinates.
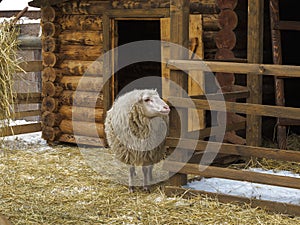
(22, 129)
(179, 30)
(229, 95)
(289, 25)
(246, 108)
(82, 140)
(32, 66)
(139, 13)
(288, 122)
(255, 55)
(240, 175)
(30, 42)
(206, 132)
(277, 59)
(232, 67)
(277, 207)
(29, 113)
(241, 150)
(28, 98)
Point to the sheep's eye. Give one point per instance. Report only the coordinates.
(147, 100)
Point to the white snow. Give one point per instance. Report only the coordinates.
(250, 190)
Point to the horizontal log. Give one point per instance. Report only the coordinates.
(277, 207)
(210, 22)
(139, 13)
(227, 4)
(245, 108)
(82, 128)
(31, 66)
(29, 42)
(82, 140)
(203, 7)
(21, 129)
(127, 4)
(82, 99)
(229, 67)
(241, 175)
(238, 94)
(50, 59)
(20, 115)
(90, 38)
(81, 22)
(288, 122)
(80, 67)
(82, 113)
(82, 83)
(28, 98)
(80, 52)
(85, 7)
(240, 150)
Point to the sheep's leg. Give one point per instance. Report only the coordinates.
(147, 174)
(150, 173)
(132, 174)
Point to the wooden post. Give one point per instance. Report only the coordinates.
(255, 55)
(179, 29)
(277, 59)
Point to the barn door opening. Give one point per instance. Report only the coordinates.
(131, 30)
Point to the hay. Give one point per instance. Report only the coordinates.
(9, 65)
(56, 186)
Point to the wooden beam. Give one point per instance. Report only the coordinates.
(82, 140)
(139, 13)
(240, 150)
(277, 207)
(29, 113)
(28, 98)
(246, 108)
(255, 55)
(22, 129)
(231, 67)
(32, 66)
(30, 42)
(179, 34)
(240, 175)
(289, 25)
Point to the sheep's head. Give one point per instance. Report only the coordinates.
(153, 105)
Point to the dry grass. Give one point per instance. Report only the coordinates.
(56, 186)
(9, 64)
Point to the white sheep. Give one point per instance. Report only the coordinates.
(135, 128)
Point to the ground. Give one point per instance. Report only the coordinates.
(54, 185)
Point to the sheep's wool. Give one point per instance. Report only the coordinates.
(134, 138)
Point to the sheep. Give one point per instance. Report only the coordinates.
(4, 220)
(135, 128)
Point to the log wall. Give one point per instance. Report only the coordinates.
(73, 39)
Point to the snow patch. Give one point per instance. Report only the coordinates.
(248, 189)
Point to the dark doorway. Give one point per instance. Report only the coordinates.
(138, 30)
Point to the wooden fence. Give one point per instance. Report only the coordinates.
(230, 149)
(27, 43)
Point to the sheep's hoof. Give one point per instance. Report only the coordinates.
(131, 189)
(146, 189)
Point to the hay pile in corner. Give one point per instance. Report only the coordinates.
(55, 186)
(9, 65)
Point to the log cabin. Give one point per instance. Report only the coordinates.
(76, 33)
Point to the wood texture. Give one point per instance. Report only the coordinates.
(231, 67)
(51, 89)
(32, 66)
(82, 99)
(82, 140)
(241, 175)
(233, 149)
(89, 38)
(80, 67)
(49, 104)
(179, 29)
(228, 19)
(227, 4)
(82, 114)
(255, 55)
(51, 74)
(277, 59)
(82, 128)
(50, 133)
(50, 29)
(82, 83)
(245, 108)
(85, 7)
(49, 44)
(80, 52)
(80, 22)
(21, 129)
(51, 119)
(48, 14)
